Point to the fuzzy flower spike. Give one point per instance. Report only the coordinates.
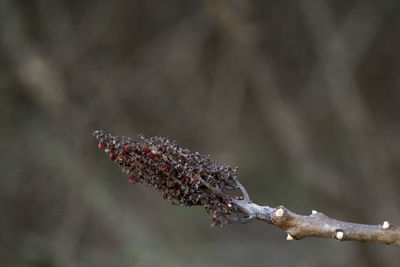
(183, 177)
(191, 179)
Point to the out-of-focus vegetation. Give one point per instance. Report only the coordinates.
(303, 96)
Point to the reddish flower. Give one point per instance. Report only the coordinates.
(162, 164)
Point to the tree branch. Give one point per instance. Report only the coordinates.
(319, 225)
(191, 179)
(244, 191)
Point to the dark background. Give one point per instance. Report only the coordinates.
(303, 96)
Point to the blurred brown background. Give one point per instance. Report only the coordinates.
(303, 96)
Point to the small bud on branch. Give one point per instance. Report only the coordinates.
(191, 179)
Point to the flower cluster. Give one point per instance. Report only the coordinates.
(182, 176)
